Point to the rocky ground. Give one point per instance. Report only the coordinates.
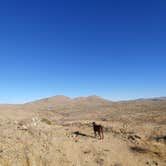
(46, 138)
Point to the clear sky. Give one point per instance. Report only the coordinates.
(112, 48)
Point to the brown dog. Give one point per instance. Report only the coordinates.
(98, 129)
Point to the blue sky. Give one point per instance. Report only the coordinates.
(115, 49)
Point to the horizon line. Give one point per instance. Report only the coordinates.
(111, 100)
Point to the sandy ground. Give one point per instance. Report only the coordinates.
(40, 140)
(32, 137)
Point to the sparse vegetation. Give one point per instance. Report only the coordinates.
(134, 133)
(47, 121)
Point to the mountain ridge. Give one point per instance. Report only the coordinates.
(62, 98)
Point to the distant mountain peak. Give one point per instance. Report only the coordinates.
(60, 96)
(88, 97)
(94, 96)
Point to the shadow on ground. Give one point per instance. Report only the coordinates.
(77, 133)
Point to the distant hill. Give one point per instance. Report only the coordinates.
(100, 107)
(55, 100)
(65, 103)
(94, 107)
(152, 99)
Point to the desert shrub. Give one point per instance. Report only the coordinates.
(47, 121)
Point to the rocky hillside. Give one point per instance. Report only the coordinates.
(58, 131)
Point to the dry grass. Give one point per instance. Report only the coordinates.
(47, 121)
(134, 131)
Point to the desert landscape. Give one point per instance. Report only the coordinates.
(58, 131)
